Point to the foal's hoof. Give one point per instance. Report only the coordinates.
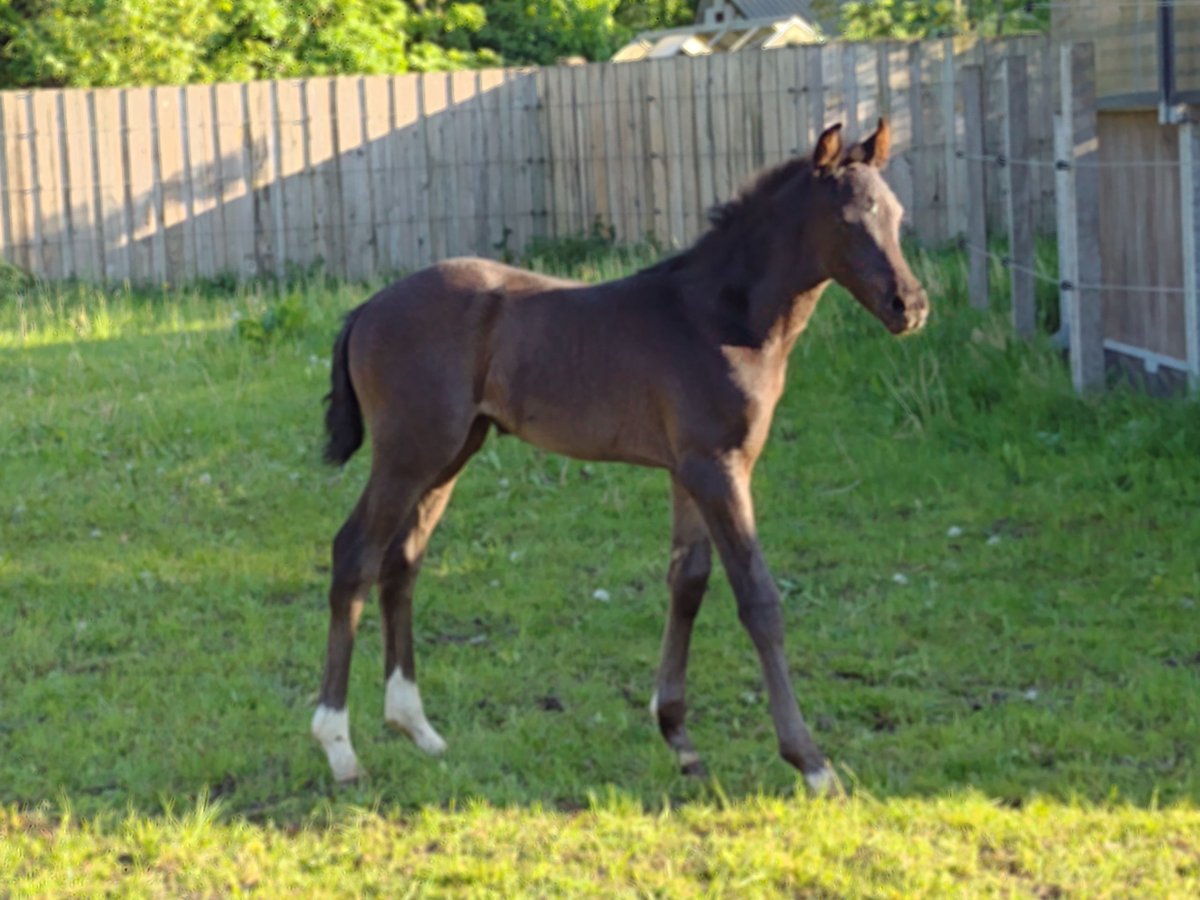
(824, 783)
(426, 739)
(351, 776)
(691, 765)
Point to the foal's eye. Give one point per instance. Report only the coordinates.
(873, 208)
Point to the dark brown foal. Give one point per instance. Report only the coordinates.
(679, 366)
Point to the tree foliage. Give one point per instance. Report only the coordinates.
(50, 43)
(902, 19)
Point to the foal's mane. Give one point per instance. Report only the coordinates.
(734, 224)
(749, 201)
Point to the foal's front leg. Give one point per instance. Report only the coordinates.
(687, 580)
(721, 489)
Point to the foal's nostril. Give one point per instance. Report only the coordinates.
(898, 305)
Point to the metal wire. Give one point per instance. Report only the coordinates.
(1063, 285)
(1063, 165)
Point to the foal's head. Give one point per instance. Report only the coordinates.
(859, 245)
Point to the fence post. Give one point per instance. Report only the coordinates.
(1064, 206)
(1189, 158)
(1078, 71)
(954, 225)
(1015, 172)
(977, 246)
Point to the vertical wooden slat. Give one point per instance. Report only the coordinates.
(111, 174)
(1189, 159)
(1079, 113)
(297, 187)
(894, 71)
(463, 175)
(735, 141)
(581, 104)
(848, 83)
(812, 69)
(53, 218)
(19, 186)
(620, 152)
(1064, 199)
(147, 258)
(755, 157)
(551, 82)
(518, 202)
(833, 87)
(676, 231)
(354, 178)
(478, 224)
(237, 210)
(382, 172)
(708, 111)
(628, 152)
(436, 101)
(491, 87)
(411, 198)
(597, 102)
(86, 233)
(659, 199)
(949, 120)
(781, 129)
(1016, 172)
(641, 164)
(687, 71)
(205, 210)
(866, 75)
(797, 120)
(410, 195)
(924, 183)
(178, 244)
(270, 242)
(328, 235)
(8, 251)
(720, 84)
(614, 171)
(977, 266)
(568, 203)
(538, 136)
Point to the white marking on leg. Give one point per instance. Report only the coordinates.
(823, 782)
(688, 758)
(331, 728)
(654, 705)
(402, 709)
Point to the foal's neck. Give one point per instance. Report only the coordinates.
(777, 298)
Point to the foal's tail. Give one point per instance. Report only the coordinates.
(343, 415)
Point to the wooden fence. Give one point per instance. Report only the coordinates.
(379, 174)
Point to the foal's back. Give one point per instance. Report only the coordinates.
(583, 370)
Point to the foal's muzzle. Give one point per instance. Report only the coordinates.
(908, 311)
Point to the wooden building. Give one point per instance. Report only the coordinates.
(729, 26)
(1142, 181)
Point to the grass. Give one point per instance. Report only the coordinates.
(991, 588)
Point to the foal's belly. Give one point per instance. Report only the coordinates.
(594, 429)
(599, 416)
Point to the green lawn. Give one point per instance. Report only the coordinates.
(991, 589)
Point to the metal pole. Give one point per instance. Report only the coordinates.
(1168, 111)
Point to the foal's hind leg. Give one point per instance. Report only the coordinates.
(357, 553)
(401, 565)
(687, 580)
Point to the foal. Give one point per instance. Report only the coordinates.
(678, 366)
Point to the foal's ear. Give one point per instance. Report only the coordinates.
(874, 150)
(829, 148)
